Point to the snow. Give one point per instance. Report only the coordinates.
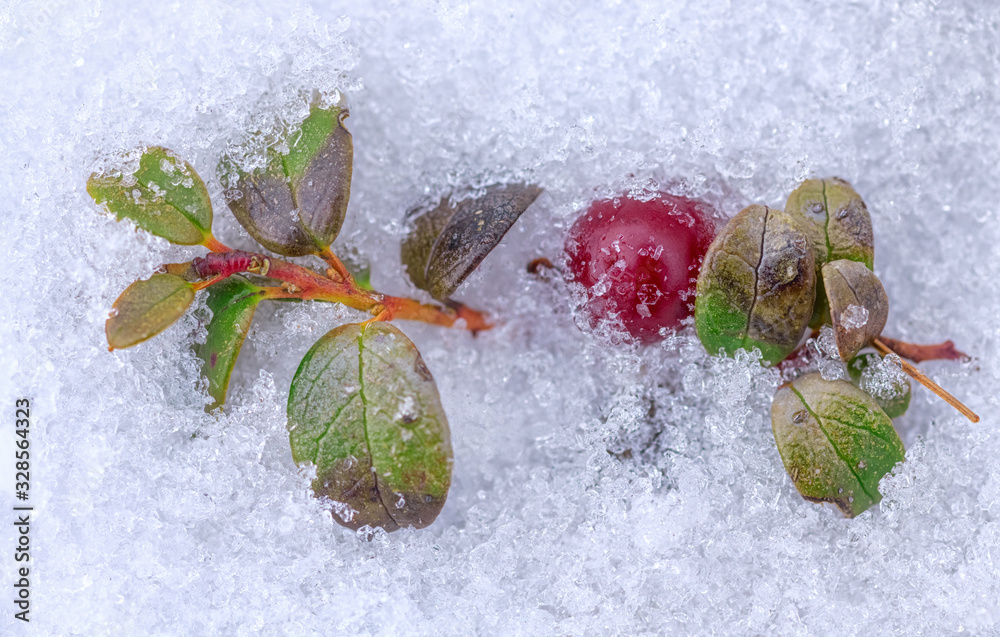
(885, 379)
(599, 487)
(854, 317)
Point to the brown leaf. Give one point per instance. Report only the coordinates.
(445, 244)
(859, 306)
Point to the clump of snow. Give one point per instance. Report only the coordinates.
(885, 379)
(854, 317)
(599, 487)
(827, 355)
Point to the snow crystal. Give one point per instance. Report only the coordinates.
(885, 379)
(599, 487)
(828, 356)
(854, 317)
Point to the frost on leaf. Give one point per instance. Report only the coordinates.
(297, 203)
(884, 380)
(445, 244)
(165, 196)
(364, 409)
(835, 441)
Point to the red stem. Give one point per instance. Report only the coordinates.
(215, 245)
(336, 266)
(912, 351)
(409, 309)
(306, 284)
(920, 353)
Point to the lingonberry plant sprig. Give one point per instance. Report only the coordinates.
(769, 275)
(363, 407)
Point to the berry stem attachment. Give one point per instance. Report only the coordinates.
(922, 378)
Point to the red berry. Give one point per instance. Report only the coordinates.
(640, 259)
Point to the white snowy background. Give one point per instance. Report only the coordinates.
(599, 488)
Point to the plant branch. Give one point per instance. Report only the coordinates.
(337, 266)
(299, 282)
(409, 309)
(215, 245)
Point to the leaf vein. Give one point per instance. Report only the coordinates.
(859, 427)
(329, 426)
(836, 450)
(364, 420)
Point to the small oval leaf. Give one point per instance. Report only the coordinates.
(445, 244)
(837, 222)
(296, 205)
(835, 441)
(233, 303)
(146, 308)
(756, 286)
(859, 306)
(165, 196)
(364, 409)
(891, 394)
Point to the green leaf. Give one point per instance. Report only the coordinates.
(165, 196)
(233, 303)
(838, 224)
(891, 394)
(756, 286)
(297, 203)
(835, 441)
(445, 244)
(364, 409)
(146, 308)
(859, 306)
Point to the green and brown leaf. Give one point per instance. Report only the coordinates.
(756, 286)
(146, 308)
(296, 205)
(364, 409)
(838, 224)
(835, 441)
